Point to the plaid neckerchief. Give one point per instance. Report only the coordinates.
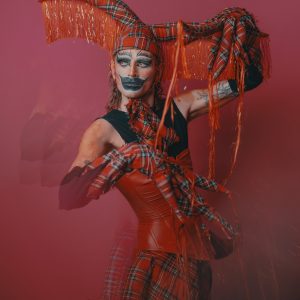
(144, 122)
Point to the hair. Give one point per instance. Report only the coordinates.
(116, 96)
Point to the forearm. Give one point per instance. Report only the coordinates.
(228, 88)
(223, 92)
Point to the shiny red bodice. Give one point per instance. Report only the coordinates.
(158, 227)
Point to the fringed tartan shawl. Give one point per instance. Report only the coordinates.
(219, 48)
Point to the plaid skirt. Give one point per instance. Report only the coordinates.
(157, 275)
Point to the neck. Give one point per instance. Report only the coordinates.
(148, 98)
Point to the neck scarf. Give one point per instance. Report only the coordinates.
(145, 123)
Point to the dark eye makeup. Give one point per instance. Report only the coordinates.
(142, 62)
(123, 61)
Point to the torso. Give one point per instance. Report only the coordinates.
(156, 218)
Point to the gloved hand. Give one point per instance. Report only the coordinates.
(73, 188)
(253, 78)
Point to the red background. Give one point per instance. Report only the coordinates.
(48, 254)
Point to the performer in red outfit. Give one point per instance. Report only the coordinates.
(141, 144)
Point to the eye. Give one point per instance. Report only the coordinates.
(123, 61)
(144, 63)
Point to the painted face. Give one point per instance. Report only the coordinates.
(134, 71)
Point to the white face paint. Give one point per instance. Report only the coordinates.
(134, 71)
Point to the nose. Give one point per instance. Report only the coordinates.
(132, 71)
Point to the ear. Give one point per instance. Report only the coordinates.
(112, 68)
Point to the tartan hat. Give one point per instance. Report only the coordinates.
(211, 47)
(137, 37)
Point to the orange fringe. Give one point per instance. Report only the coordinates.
(80, 19)
(179, 46)
(240, 80)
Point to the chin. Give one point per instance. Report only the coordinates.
(133, 94)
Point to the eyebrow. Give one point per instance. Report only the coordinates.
(144, 54)
(124, 53)
(140, 53)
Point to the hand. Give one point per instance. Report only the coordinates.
(253, 78)
(73, 188)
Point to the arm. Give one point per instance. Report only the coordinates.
(95, 142)
(195, 103)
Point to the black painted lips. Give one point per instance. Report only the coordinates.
(133, 84)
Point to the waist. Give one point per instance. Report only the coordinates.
(169, 235)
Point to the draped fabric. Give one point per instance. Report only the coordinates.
(218, 48)
(163, 280)
(179, 187)
(219, 42)
(176, 182)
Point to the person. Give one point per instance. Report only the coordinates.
(141, 146)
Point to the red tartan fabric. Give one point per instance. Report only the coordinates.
(137, 38)
(145, 124)
(176, 182)
(156, 275)
(153, 274)
(172, 179)
(217, 49)
(231, 32)
(226, 43)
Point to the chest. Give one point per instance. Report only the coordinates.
(122, 133)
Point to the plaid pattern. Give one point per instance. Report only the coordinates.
(118, 10)
(156, 275)
(138, 38)
(226, 45)
(120, 261)
(145, 124)
(176, 181)
(232, 30)
(135, 34)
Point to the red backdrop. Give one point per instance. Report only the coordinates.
(48, 254)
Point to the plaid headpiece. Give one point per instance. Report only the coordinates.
(219, 48)
(211, 47)
(138, 38)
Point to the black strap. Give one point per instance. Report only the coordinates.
(119, 120)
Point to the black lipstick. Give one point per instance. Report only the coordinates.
(132, 83)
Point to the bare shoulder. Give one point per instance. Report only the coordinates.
(182, 101)
(99, 129)
(95, 141)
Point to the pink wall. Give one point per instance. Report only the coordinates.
(48, 254)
